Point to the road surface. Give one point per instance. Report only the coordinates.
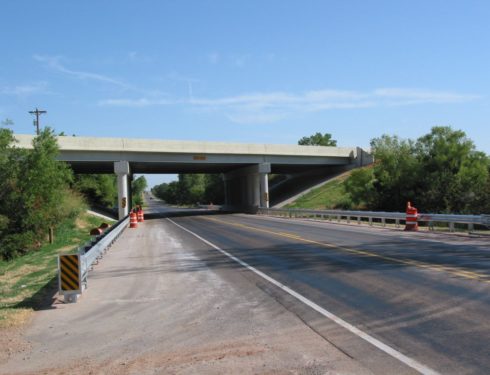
(176, 296)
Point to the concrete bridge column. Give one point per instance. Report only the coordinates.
(248, 187)
(121, 168)
(253, 191)
(264, 190)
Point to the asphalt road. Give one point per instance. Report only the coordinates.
(165, 301)
(427, 296)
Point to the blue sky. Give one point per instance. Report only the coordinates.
(247, 71)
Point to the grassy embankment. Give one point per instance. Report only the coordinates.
(28, 282)
(332, 195)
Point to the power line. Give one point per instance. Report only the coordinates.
(37, 112)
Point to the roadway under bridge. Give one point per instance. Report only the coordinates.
(245, 167)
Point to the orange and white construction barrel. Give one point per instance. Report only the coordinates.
(141, 216)
(411, 218)
(133, 220)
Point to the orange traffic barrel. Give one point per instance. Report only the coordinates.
(104, 226)
(133, 220)
(96, 232)
(141, 217)
(411, 218)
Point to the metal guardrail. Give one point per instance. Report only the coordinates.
(397, 217)
(96, 250)
(82, 262)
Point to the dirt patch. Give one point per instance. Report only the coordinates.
(222, 359)
(13, 318)
(81, 223)
(12, 341)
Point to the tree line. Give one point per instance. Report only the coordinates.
(440, 172)
(191, 189)
(37, 192)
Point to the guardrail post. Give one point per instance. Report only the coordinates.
(471, 227)
(370, 221)
(383, 221)
(359, 220)
(451, 227)
(397, 223)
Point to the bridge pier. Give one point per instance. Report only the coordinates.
(121, 168)
(248, 188)
(264, 189)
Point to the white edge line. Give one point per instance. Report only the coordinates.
(378, 344)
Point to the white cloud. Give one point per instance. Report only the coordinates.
(413, 96)
(266, 107)
(54, 62)
(256, 118)
(135, 103)
(189, 81)
(25, 89)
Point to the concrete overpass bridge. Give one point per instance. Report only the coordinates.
(245, 167)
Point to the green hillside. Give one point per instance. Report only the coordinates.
(332, 195)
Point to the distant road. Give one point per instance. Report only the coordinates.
(176, 296)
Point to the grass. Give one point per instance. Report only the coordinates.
(26, 282)
(329, 196)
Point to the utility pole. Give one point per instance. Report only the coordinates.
(37, 112)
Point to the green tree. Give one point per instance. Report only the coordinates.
(99, 189)
(138, 186)
(214, 189)
(34, 193)
(192, 189)
(8, 184)
(454, 175)
(318, 139)
(360, 187)
(44, 181)
(395, 173)
(439, 172)
(160, 190)
(169, 193)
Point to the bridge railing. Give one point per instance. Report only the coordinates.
(382, 217)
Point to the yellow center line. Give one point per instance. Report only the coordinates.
(435, 267)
